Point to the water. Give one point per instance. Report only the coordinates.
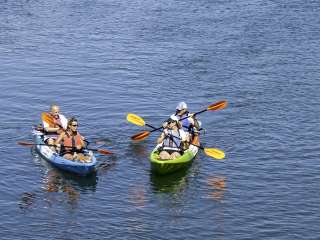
(100, 60)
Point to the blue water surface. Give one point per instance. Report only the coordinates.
(100, 60)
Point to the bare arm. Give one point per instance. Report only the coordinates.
(83, 144)
(161, 138)
(52, 130)
(59, 139)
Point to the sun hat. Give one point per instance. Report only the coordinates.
(181, 105)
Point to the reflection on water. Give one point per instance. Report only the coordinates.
(137, 195)
(57, 181)
(139, 149)
(54, 181)
(101, 142)
(175, 182)
(106, 165)
(27, 201)
(171, 183)
(218, 186)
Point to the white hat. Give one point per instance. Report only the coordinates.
(181, 105)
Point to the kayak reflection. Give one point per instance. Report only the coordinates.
(171, 183)
(57, 180)
(69, 185)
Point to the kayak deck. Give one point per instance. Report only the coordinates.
(166, 166)
(81, 168)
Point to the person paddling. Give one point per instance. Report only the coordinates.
(54, 123)
(188, 120)
(72, 143)
(172, 139)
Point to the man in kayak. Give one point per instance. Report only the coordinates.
(173, 139)
(71, 143)
(54, 123)
(188, 120)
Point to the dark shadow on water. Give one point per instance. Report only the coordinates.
(177, 181)
(171, 183)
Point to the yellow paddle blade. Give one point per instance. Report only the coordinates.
(47, 118)
(140, 136)
(215, 153)
(135, 119)
(217, 106)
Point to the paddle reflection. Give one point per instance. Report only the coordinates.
(137, 196)
(106, 165)
(139, 149)
(218, 185)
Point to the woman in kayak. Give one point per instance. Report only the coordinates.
(173, 140)
(72, 143)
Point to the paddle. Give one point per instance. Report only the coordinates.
(30, 144)
(212, 152)
(140, 122)
(46, 117)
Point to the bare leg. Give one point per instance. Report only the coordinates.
(164, 155)
(68, 156)
(175, 155)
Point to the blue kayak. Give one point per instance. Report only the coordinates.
(81, 168)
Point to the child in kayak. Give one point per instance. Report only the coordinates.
(173, 140)
(71, 143)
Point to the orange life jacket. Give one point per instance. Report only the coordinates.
(70, 142)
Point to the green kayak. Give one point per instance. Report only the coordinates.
(168, 166)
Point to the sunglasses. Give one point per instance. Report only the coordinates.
(169, 122)
(74, 125)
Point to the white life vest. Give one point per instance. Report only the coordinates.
(173, 140)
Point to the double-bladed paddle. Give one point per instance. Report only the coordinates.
(30, 144)
(135, 119)
(140, 122)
